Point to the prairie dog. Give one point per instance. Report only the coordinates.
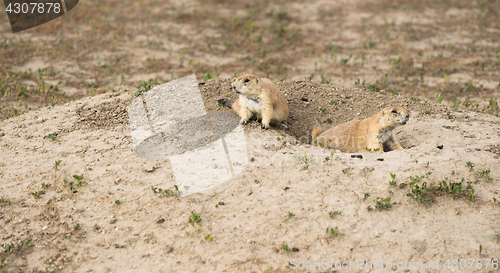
(260, 97)
(369, 135)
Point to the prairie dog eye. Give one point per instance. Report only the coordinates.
(394, 111)
(246, 80)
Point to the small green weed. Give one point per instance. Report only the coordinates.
(382, 203)
(194, 219)
(393, 182)
(309, 79)
(144, 86)
(208, 75)
(303, 158)
(78, 176)
(333, 213)
(56, 165)
(286, 248)
(289, 215)
(470, 165)
(333, 231)
(485, 173)
(439, 98)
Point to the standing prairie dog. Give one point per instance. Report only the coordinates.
(371, 134)
(260, 97)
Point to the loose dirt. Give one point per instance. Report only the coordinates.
(115, 222)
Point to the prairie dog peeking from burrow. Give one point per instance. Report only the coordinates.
(372, 134)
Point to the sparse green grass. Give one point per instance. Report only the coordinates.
(310, 78)
(286, 248)
(56, 165)
(304, 158)
(209, 238)
(8, 247)
(485, 173)
(144, 86)
(366, 195)
(423, 192)
(194, 219)
(374, 87)
(333, 213)
(393, 181)
(281, 140)
(117, 202)
(439, 98)
(209, 75)
(382, 203)
(289, 215)
(78, 176)
(334, 232)
(470, 165)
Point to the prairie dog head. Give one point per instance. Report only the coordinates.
(247, 85)
(392, 116)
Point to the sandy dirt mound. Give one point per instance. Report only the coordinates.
(76, 197)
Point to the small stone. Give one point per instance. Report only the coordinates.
(91, 82)
(149, 167)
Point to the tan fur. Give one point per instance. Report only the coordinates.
(260, 97)
(372, 134)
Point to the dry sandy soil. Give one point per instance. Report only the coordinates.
(275, 213)
(80, 228)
